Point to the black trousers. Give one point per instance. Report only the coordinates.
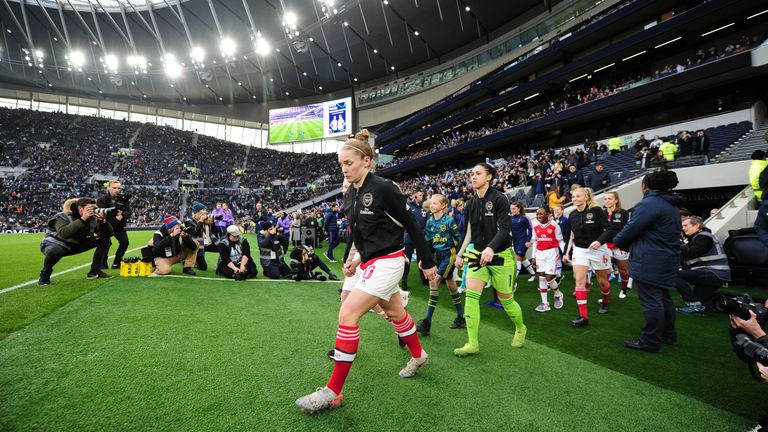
(54, 253)
(659, 314)
(201, 263)
(250, 270)
(275, 269)
(409, 247)
(122, 239)
(698, 286)
(317, 262)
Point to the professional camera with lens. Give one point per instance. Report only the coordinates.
(218, 217)
(740, 306)
(188, 227)
(749, 351)
(122, 202)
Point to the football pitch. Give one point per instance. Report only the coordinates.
(202, 354)
(296, 131)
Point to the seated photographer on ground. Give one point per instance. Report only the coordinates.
(271, 252)
(303, 263)
(203, 234)
(235, 260)
(118, 219)
(752, 328)
(705, 267)
(171, 245)
(76, 229)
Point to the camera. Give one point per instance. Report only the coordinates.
(218, 217)
(752, 350)
(122, 202)
(188, 227)
(104, 211)
(740, 306)
(280, 230)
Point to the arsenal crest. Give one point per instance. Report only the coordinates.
(367, 199)
(590, 216)
(489, 205)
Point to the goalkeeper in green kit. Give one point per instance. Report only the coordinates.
(490, 259)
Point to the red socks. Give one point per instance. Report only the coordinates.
(407, 332)
(347, 341)
(624, 281)
(581, 301)
(605, 290)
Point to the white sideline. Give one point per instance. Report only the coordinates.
(247, 280)
(21, 285)
(33, 281)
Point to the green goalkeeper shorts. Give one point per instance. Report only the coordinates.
(502, 277)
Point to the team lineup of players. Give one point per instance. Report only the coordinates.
(496, 240)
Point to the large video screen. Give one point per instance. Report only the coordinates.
(311, 122)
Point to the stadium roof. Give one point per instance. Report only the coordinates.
(235, 51)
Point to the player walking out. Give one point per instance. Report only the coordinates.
(547, 242)
(590, 231)
(377, 214)
(618, 217)
(443, 236)
(520, 233)
(487, 228)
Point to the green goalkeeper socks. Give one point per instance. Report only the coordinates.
(513, 310)
(472, 316)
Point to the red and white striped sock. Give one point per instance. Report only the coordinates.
(581, 301)
(605, 291)
(543, 288)
(347, 341)
(407, 332)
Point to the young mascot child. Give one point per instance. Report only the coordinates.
(442, 234)
(547, 242)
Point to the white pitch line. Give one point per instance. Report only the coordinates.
(21, 285)
(220, 279)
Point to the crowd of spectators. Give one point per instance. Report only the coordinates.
(569, 97)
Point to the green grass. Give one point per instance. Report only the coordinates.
(290, 132)
(192, 354)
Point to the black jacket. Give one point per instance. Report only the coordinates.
(225, 248)
(105, 201)
(377, 215)
(489, 220)
(618, 219)
(165, 246)
(599, 180)
(589, 225)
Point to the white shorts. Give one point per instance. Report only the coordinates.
(599, 259)
(619, 254)
(380, 276)
(546, 260)
(351, 281)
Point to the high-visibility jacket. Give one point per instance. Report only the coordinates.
(614, 144)
(755, 169)
(669, 150)
(715, 260)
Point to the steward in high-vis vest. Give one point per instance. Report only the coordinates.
(669, 151)
(79, 227)
(705, 266)
(755, 169)
(614, 145)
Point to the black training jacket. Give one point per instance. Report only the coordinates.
(489, 220)
(589, 225)
(377, 214)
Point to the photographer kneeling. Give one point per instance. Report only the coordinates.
(271, 252)
(705, 267)
(235, 260)
(76, 229)
(304, 261)
(171, 245)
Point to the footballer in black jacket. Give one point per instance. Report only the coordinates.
(489, 259)
(377, 215)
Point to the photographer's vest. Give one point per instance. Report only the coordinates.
(52, 237)
(273, 253)
(170, 251)
(235, 251)
(715, 260)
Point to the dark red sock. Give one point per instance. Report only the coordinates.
(347, 341)
(581, 301)
(605, 291)
(407, 332)
(624, 281)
